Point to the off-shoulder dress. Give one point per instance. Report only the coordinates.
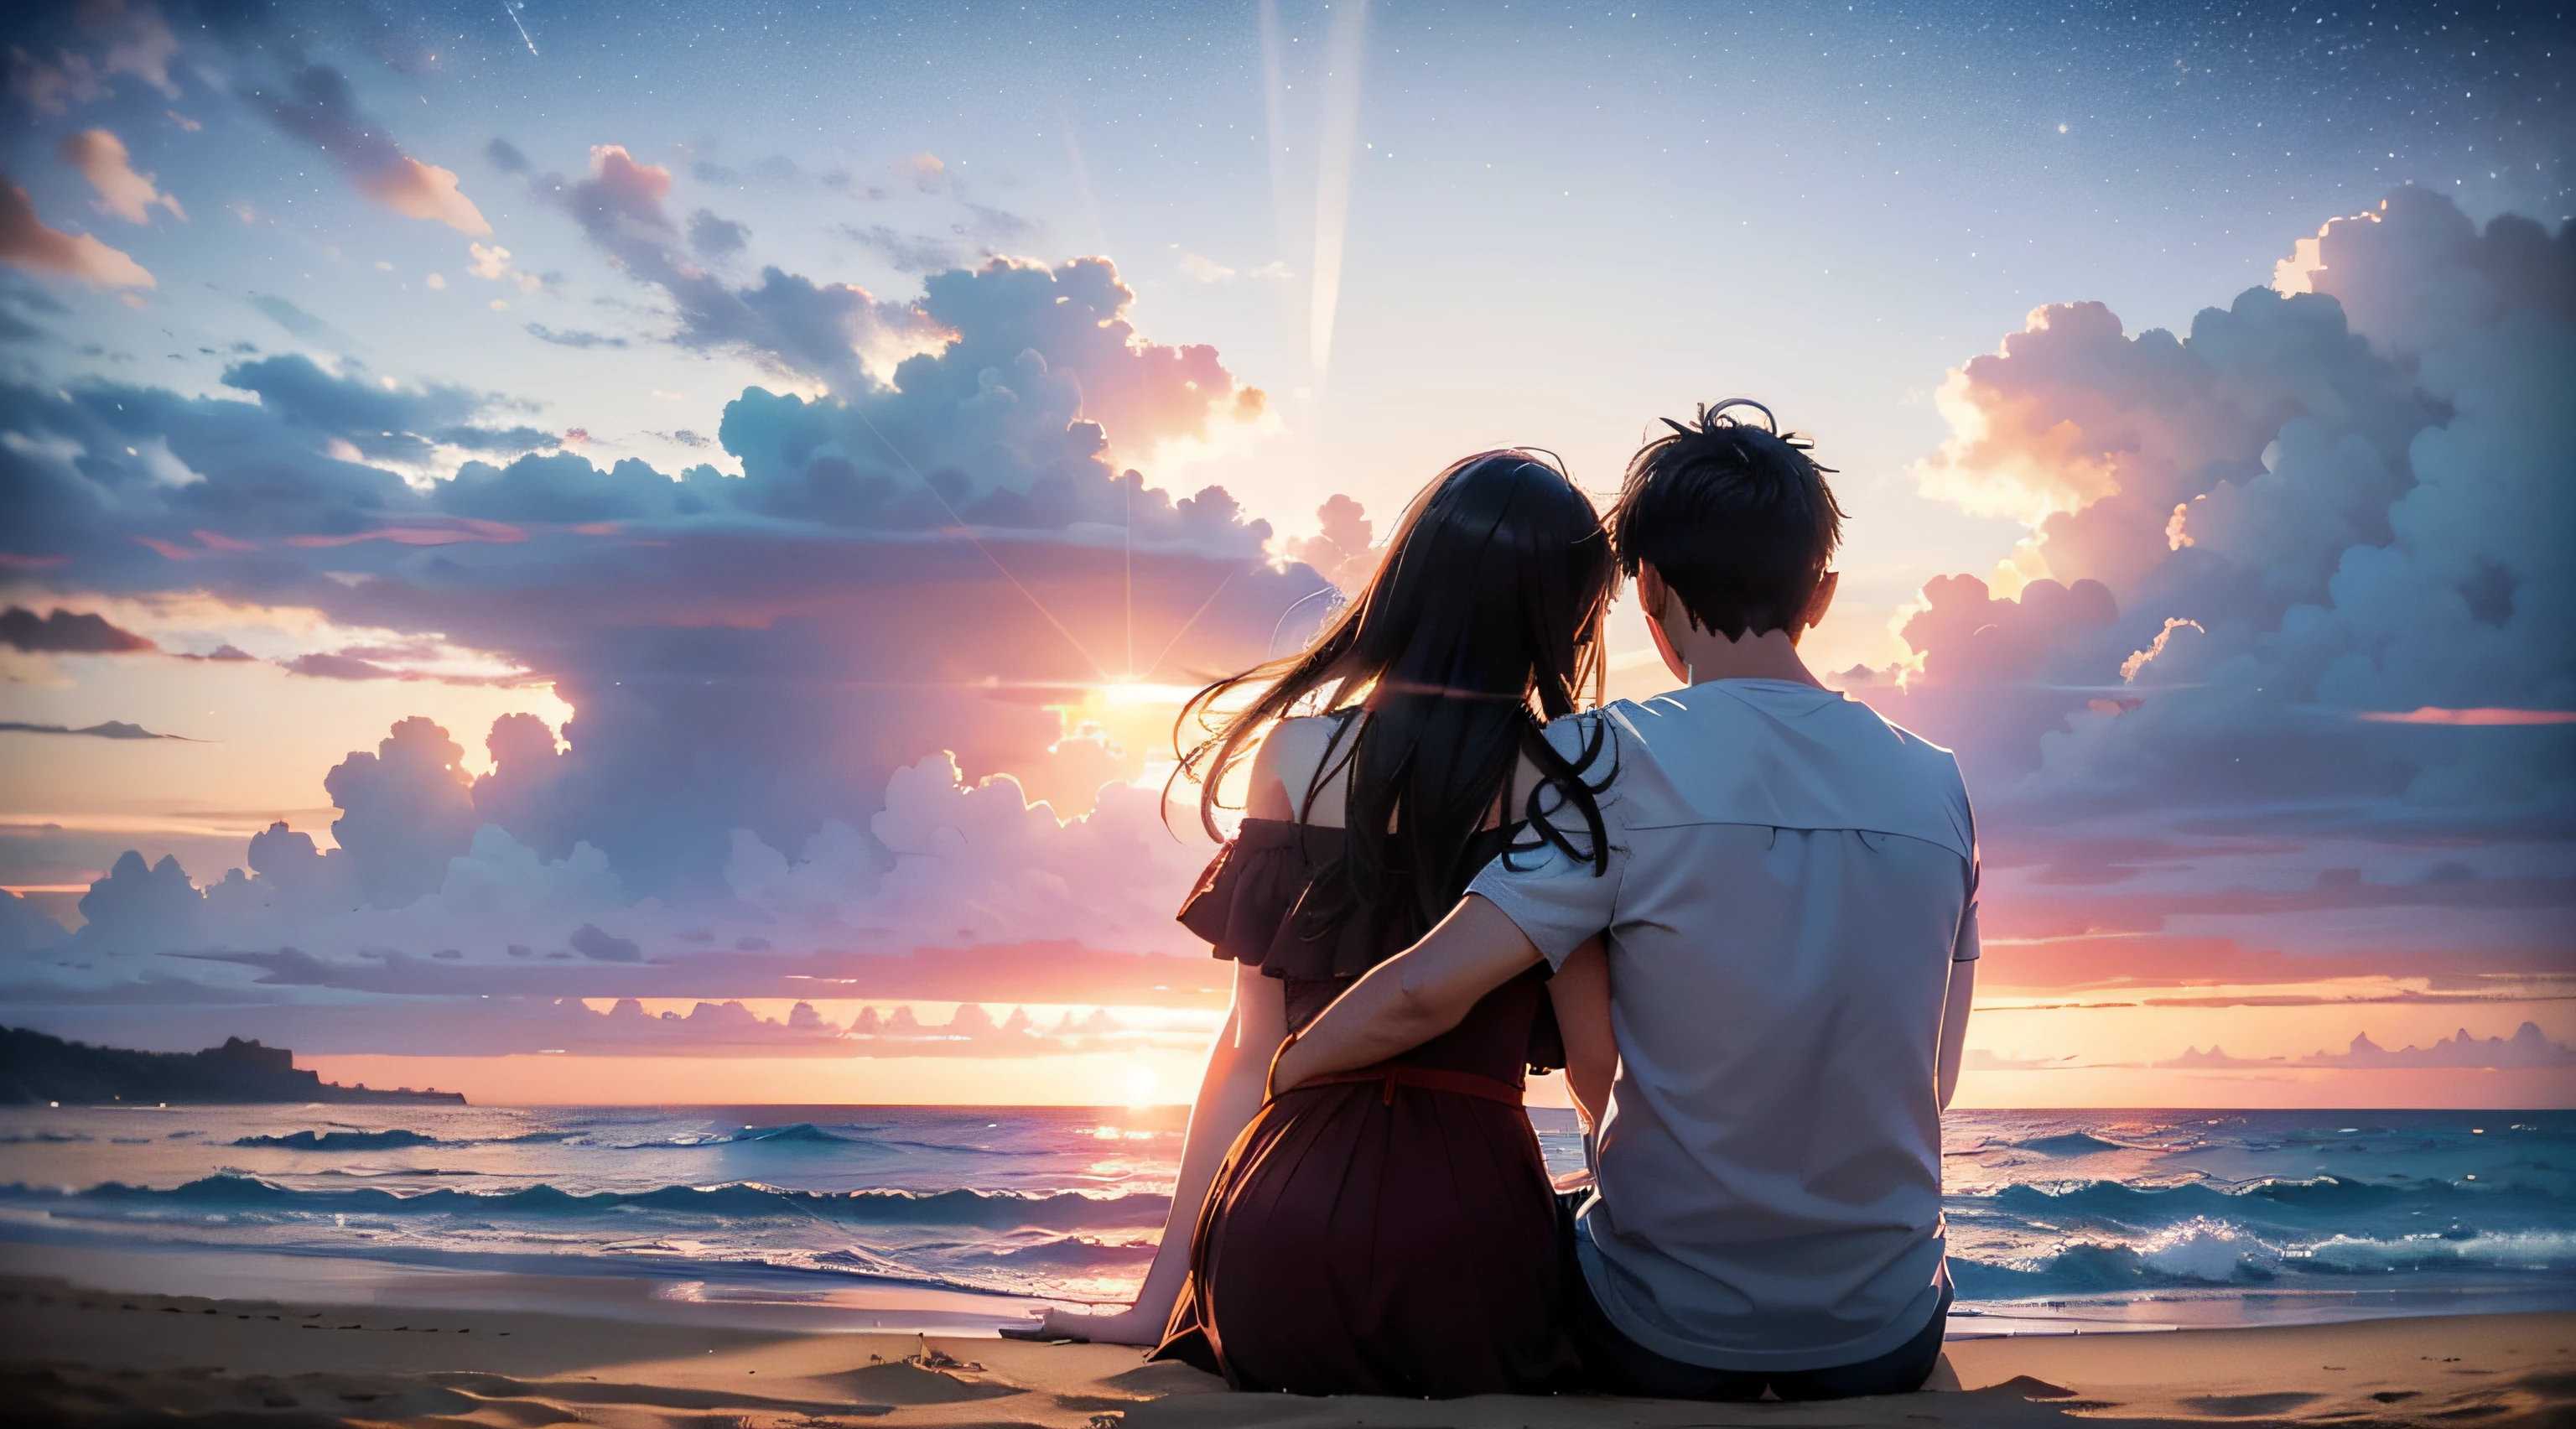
(1391, 1231)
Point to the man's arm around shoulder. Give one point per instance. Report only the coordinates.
(1411, 997)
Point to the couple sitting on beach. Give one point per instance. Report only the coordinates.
(1740, 916)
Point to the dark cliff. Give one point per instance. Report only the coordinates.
(38, 1068)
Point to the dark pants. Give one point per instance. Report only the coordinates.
(1615, 1364)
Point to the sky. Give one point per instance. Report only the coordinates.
(650, 552)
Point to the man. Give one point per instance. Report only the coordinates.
(1790, 912)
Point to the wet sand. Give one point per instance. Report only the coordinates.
(80, 1357)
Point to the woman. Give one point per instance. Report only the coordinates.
(1390, 1232)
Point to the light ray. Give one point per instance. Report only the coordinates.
(1274, 95)
(1186, 624)
(1346, 52)
(969, 533)
(1082, 179)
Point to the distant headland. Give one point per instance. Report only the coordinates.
(36, 1068)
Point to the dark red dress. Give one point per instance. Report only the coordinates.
(1389, 1236)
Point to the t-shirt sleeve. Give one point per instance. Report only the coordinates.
(1965, 950)
(1555, 898)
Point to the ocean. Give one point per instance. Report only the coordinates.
(950, 1217)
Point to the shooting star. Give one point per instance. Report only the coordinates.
(511, 9)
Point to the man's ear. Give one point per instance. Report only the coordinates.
(1821, 600)
(1651, 591)
(1655, 598)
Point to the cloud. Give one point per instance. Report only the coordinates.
(417, 190)
(995, 225)
(422, 866)
(1978, 1059)
(500, 1026)
(573, 337)
(1343, 552)
(2217, 1058)
(601, 947)
(66, 632)
(318, 107)
(905, 253)
(2288, 625)
(2417, 275)
(380, 419)
(101, 158)
(140, 908)
(2528, 1047)
(299, 322)
(716, 237)
(26, 242)
(989, 320)
(793, 323)
(133, 40)
(950, 859)
(2158, 959)
(2430, 714)
(725, 638)
(506, 157)
(2257, 549)
(24, 927)
(926, 172)
(407, 809)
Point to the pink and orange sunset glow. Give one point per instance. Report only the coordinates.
(608, 616)
(677, 597)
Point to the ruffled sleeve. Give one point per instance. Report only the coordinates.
(1243, 898)
(1246, 905)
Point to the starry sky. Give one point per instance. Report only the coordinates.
(719, 503)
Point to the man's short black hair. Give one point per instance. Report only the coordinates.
(1737, 519)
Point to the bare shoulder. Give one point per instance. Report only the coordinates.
(1293, 752)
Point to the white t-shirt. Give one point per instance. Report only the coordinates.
(1790, 878)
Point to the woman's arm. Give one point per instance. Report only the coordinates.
(1581, 992)
(1229, 1094)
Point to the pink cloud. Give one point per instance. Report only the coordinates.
(318, 106)
(417, 190)
(465, 529)
(28, 243)
(927, 171)
(101, 158)
(633, 189)
(2429, 714)
(2155, 959)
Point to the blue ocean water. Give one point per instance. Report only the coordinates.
(2132, 1217)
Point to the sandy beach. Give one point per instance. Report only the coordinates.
(81, 1357)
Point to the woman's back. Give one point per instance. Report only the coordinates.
(1393, 1232)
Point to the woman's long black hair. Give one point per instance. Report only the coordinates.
(1484, 620)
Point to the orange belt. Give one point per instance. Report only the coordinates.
(1404, 1074)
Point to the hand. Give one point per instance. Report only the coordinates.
(1117, 1327)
